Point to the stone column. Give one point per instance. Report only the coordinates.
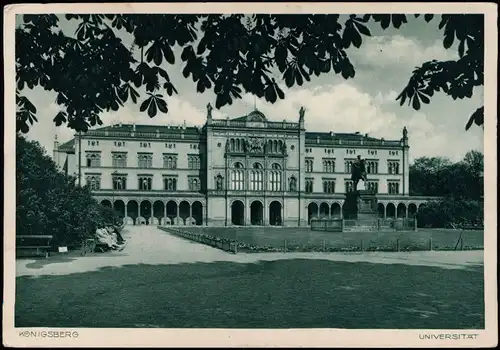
(178, 211)
(126, 215)
(151, 219)
(385, 211)
(190, 212)
(406, 206)
(164, 214)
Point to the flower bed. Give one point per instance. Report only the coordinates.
(216, 242)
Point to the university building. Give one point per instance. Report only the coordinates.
(247, 170)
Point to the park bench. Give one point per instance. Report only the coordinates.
(37, 245)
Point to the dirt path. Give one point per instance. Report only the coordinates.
(148, 245)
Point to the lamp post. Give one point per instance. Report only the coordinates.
(113, 194)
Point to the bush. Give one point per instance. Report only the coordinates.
(449, 212)
(48, 202)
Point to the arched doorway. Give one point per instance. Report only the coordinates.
(106, 203)
(336, 210)
(119, 209)
(390, 211)
(412, 210)
(401, 210)
(133, 211)
(275, 218)
(145, 212)
(238, 213)
(324, 210)
(158, 213)
(312, 212)
(184, 212)
(381, 210)
(256, 213)
(197, 209)
(171, 213)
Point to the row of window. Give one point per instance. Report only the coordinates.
(329, 186)
(237, 182)
(144, 160)
(145, 183)
(371, 166)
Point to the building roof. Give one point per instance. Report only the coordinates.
(141, 128)
(253, 116)
(339, 136)
(68, 146)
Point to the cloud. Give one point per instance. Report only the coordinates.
(397, 50)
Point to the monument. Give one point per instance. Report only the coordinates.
(360, 203)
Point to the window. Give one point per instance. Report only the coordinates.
(193, 162)
(328, 165)
(170, 184)
(309, 185)
(145, 183)
(93, 159)
(93, 143)
(119, 182)
(393, 167)
(145, 161)
(119, 160)
(170, 161)
(372, 186)
(257, 178)
(372, 167)
(237, 177)
(292, 184)
(348, 165)
(119, 143)
(309, 165)
(349, 186)
(145, 144)
(275, 178)
(94, 182)
(329, 186)
(393, 187)
(219, 182)
(194, 184)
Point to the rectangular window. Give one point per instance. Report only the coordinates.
(348, 165)
(372, 166)
(309, 185)
(93, 159)
(237, 177)
(145, 183)
(170, 184)
(119, 160)
(193, 162)
(256, 180)
(349, 186)
(328, 165)
(329, 186)
(194, 184)
(94, 182)
(145, 160)
(393, 187)
(275, 181)
(393, 167)
(170, 161)
(372, 186)
(309, 165)
(120, 182)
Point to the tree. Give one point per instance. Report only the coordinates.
(94, 72)
(48, 202)
(438, 176)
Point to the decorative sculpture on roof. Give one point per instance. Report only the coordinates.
(284, 149)
(209, 110)
(302, 111)
(405, 132)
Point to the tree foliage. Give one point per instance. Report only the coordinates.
(93, 71)
(48, 202)
(450, 212)
(438, 176)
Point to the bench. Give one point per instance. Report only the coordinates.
(37, 245)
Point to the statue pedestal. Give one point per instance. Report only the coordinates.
(361, 205)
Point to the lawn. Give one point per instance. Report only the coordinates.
(442, 239)
(276, 294)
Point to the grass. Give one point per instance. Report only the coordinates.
(442, 239)
(276, 294)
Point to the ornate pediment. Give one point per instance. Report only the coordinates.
(254, 145)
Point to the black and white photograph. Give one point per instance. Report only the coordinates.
(203, 168)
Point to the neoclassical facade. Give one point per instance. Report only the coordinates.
(242, 171)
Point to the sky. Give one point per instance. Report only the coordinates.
(366, 103)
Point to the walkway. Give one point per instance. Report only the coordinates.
(148, 245)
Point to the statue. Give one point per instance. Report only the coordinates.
(219, 182)
(302, 111)
(284, 150)
(358, 172)
(209, 111)
(405, 133)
